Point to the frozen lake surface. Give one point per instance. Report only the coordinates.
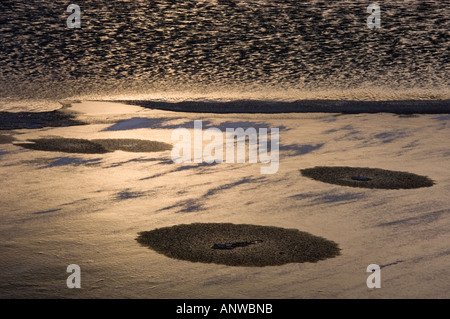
(59, 209)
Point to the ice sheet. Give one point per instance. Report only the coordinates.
(59, 209)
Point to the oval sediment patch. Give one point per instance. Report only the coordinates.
(264, 245)
(366, 177)
(97, 146)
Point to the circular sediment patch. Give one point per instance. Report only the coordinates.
(238, 245)
(367, 177)
(98, 146)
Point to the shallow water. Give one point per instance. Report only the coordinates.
(184, 50)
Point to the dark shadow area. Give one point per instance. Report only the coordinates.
(186, 206)
(302, 106)
(193, 205)
(165, 123)
(134, 160)
(72, 161)
(296, 149)
(245, 180)
(192, 166)
(388, 137)
(367, 177)
(47, 211)
(263, 245)
(444, 118)
(336, 198)
(346, 133)
(391, 264)
(417, 220)
(245, 125)
(126, 194)
(36, 120)
(200, 168)
(349, 128)
(142, 122)
(6, 139)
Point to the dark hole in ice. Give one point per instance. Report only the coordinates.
(361, 178)
(234, 245)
